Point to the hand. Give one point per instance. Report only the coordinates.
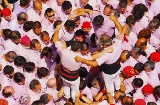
(78, 94)
(119, 36)
(64, 46)
(110, 50)
(58, 27)
(112, 17)
(78, 59)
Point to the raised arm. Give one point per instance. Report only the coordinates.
(116, 22)
(55, 36)
(78, 10)
(8, 5)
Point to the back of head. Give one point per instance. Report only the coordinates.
(69, 24)
(28, 25)
(42, 72)
(15, 35)
(151, 103)
(76, 45)
(7, 33)
(19, 61)
(98, 20)
(22, 16)
(11, 55)
(83, 72)
(115, 12)
(29, 66)
(66, 5)
(139, 67)
(149, 65)
(154, 24)
(37, 102)
(57, 22)
(44, 98)
(8, 70)
(37, 25)
(7, 91)
(137, 50)
(123, 4)
(19, 77)
(24, 2)
(85, 46)
(138, 82)
(46, 51)
(88, 7)
(33, 43)
(130, 20)
(156, 91)
(105, 40)
(145, 33)
(37, 4)
(33, 84)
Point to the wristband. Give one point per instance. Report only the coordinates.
(103, 91)
(80, 95)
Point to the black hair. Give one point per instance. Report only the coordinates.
(8, 70)
(123, 4)
(18, 77)
(37, 102)
(20, 61)
(33, 84)
(46, 51)
(6, 95)
(48, 10)
(28, 25)
(98, 20)
(66, 5)
(15, 35)
(76, 45)
(83, 72)
(7, 33)
(156, 91)
(139, 67)
(44, 98)
(138, 82)
(88, 7)
(82, 84)
(37, 24)
(42, 72)
(29, 66)
(69, 24)
(24, 2)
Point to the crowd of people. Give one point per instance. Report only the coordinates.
(80, 52)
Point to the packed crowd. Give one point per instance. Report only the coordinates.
(80, 52)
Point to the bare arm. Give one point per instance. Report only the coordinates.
(55, 37)
(8, 5)
(60, 93)
(78, 10)
(72, 16)
(1, 8)
(116, 22)
(85, 99)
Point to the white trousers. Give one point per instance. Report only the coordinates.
(71, 88)
(112, 82)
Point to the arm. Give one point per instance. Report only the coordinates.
(99, 95)
(82, 10)
(72, 16)
(87, 62)
(117, 24)
(85, 99)
(1, 8)
(100, 54)
(8, 5)
(110, 98)
(60, 93)
(55, 36)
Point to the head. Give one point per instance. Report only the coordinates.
(88, 7)
(35, 85)
(98, 20)
(151, 103)
(82, 84)
(80, 36)
(130, 20)
(8, 91)
(96, 82)
(22, 18)
(24, 99)
(149, 66)
(156, 91)
(105, 41)
(139, 11)
(139, 67)
(7, 33)
(154, 25)
(45, 37)
(15, 37)
(37, 27)
(69, 25)
(37, 6)
(116, 13)
(137, 83)
(127, 100)
(77, 21)
(119, 95)
(50, 14)
(59, 2)
(123, 6)
(25, 3)
(35, 45)
(86, 27)
(107, 9)
(6, 12)
(46, 98)
(125, 55)
(136, 52)
(27, 26)
(83, 72)
(76, 46)
(67, 7)
(85, 48)
(20, 61)
(37, 102)
(142, 43)
(8, 71)
(11, 55)
(51, 83)
(19, 78)
(29, 67)
(42, 72)
(145, 33)
(57, 22)
(47, 52)
(25, 41)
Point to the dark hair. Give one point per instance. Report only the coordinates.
(69, 24)
(88, 7)
(8, 70)
(139, 67)
(42, 72)
(22, 16)
(44, 33)
(83, 72)
(139, 10)
(28, 25)
(137, 50)
(36, 24)
(6, 95)
(155, 23)
(85, 46)
(33, 43)
(44, 98)
(46, 51)
(66, 5)
(15, 35)
(151, 103)
(130, 20)
(18, 77)
(108, 6)
(33, 84)
(76, 45)
(138, 82)
(82, 84)
(19, 61)
(77, 18)
(48, 10)
(150, 65)
(156, 91)
(11, 55)
(57, 22)
(29, 66)
(98, 20)
(7, 33)
(37, 102)
(123, 3)
(24, 2)
(158, 16)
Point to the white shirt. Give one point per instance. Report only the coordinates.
(150, 49)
